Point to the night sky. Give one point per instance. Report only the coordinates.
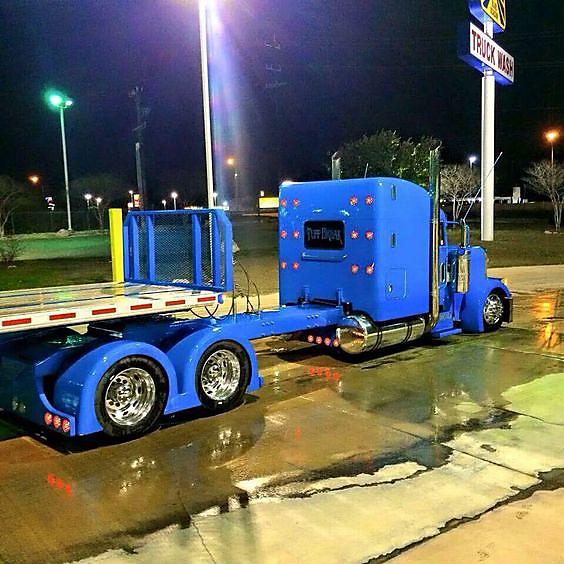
(347, 68)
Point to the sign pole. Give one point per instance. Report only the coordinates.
(203, 13)
(488, 147)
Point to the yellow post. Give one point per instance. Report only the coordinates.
(116, 244)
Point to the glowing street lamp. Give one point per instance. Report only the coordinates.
(174, 197)
(215, 195)
(98, 201)
(231, 162)
(35, 180)
(163, 202)
(88, 198)
(61, 103)
(552, 137)
(131, 196)
(472, 159)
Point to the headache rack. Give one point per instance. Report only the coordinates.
(187, 248)
(172, 261)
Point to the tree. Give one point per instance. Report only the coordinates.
(459, 182)
(12, 196)
(387, 154)
(548, 180)
(106, 190)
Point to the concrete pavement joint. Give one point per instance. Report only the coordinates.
(553, 356)
(203, 541)
(551, 484)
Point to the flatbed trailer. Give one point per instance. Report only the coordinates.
(63, 306)
(364, 264)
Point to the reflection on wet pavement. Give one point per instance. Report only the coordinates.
(328, 462)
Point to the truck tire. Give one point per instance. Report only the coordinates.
(493, 312)
(131, 397)
(222, 376)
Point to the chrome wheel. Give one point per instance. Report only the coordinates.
(221, 375)
(493, 310)
(130, 396)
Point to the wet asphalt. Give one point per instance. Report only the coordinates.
(329, 462)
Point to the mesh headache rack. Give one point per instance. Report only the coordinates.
(173, 261)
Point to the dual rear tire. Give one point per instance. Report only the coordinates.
(132, 394)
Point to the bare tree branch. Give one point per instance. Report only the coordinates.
(11, 197)
(459, 183)
(547, 179)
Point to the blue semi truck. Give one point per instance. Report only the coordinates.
(364, 264)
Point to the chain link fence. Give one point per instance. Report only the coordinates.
(22, 222)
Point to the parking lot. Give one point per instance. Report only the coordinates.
(329, 462)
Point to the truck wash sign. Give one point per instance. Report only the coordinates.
(480, 51)
(494, 10)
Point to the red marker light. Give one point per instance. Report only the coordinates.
(370, 235)
(355, 268)
(283, 265)
(369, 200)
(66, 426)
(295, 202)
(283, 234)
(370, 269)
(353, 201)
(318, 340)
(296, 234)
(283, 203)
(48, 418)
(57, 422)
(296, 265)
(355, 235)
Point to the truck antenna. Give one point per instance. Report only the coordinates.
(480, 187)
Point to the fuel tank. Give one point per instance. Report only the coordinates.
(361, 335)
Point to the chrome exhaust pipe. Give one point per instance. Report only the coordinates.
(435, 192)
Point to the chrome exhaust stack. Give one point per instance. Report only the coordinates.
(362, 336)
(435, 192)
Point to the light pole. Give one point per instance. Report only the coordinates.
(552, 136)
(88, 198)
(163, 202)
(232, 163)
(203, 16)
(215, 194)
(132, 200)
(35, 179)
(473, 159)
(98, 201)
(174, 197)
(62, 103)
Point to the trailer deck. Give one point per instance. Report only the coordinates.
(40, 308)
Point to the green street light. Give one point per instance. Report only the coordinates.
(61, 102)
